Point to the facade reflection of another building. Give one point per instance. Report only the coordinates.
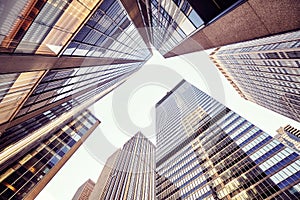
(43, 154)
(222, 155)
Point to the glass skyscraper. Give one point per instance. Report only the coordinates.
(183, 26)
(62, 56)
(206, 151)
(58, 58)
(265, 71)
(175, 20)
(81, 28)
(129, 173)
(27, 166)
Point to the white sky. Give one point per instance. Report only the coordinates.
(130, 108)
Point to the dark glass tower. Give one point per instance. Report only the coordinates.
(27, 166)
(68, 55)
(184, 26)
(57, 58)
(206, 151)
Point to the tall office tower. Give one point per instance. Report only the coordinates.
(129, 173)
(84, 191)
(62, 55)
(95, 28)
(289, 136)
(185, 26)
(208, 151)
(265, 71)
(25, 174)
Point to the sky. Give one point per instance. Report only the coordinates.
(130, 108)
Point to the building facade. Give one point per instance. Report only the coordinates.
(84, 191)
(82, 28)
(43, 154)
(265, 71)
(59, 55)
(129, 173)
(289, 136)
(58, 58)
(206, 151)
(184, 26)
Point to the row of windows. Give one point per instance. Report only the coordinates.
(109, 32)
(23, 129)
(14, 88)
(228, 144)
(242, 139)
(134, 165)
(283, 41)
(32, 167)
(67, 84)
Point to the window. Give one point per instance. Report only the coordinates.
(210, 9)
(293, 54)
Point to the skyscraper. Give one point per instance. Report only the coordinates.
(129, 173)
(206, 151)
(265, 71)
(58, 58)
(27, 166)
(82, 28)
(184, 26)
(60, 61)
(84, 191)
(289, 136)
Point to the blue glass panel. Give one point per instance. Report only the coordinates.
(106, 4)
(71, 142)
(125, 23)
(195, 19)
(279, 165)
(237, 127)
(82, 33)
(232, 122)
(196, 176)
(269, 153)
(259, 145)
(183, 159)
(53, 161)
(154, 2)
(71, 48)
(95, 18)
(194, 189)
(206, 194)
(63, 151)
(185, 7)
(251, 137)
(100, 40)
(177, 2)
(92, 37)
